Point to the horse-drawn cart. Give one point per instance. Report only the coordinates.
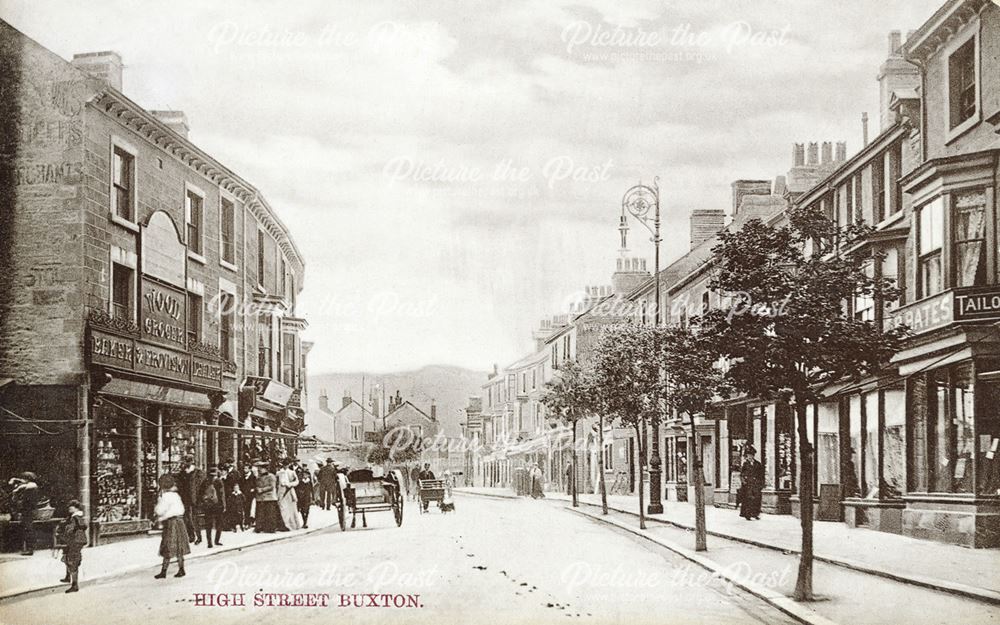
(361, 491)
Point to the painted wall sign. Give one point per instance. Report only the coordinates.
(164, 255)
(923, 316)
(162, 311)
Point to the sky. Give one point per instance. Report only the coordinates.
(453, 171)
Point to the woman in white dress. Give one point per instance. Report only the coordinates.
(287, 500)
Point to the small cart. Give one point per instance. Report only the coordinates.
(431, 490)
(363, 492)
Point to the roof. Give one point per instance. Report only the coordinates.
(407, 404)
(940, 27)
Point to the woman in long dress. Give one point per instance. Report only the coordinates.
(174, 539)
(266, 517)
(287, 498)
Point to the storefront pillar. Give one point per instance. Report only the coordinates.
(139, 455)
(83, 448)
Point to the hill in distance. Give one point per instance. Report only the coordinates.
(449, 387)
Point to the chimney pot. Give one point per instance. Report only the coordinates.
(841, 151)
(798, 154)
(812, 156)
(827, 153)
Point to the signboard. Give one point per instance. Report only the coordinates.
(111, 350)
(162, 313)
(980, 304)
(923, 316)
(162, 362)
(164, 255)
(205, 371)
(270, 390)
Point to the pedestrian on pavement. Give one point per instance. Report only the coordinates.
(415, 481)
(248, 487)
(569, 477)
(426, 474)
(230, 480)
(304, 494)
(174, 541)
(288, 480)
(268, 519)
(189, 482)
(536, 482)
(212, 502)
(73, 534)
(327, 483)
(752, 476)
(26, 496)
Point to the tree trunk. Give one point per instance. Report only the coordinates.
(699, 491)
(803, 585)
(641, 461)
(600, 463)
(576, 503)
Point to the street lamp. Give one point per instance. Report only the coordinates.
(637, 202)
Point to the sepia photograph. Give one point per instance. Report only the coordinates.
(508, 312)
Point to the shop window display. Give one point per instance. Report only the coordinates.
(115, 467)
(828, 444)
(871, 444)
(894, 443)
(962, 432)
(988, 430)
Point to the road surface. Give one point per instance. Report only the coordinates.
(496, 561)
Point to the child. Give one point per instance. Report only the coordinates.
(174, 539)
(235, 505)
(73, 532)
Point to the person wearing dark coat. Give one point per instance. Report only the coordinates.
(248, 485)
(752, 476)
(26, 497)
(425, 474)
(327, 484)
(189, 482)
(73, 534)
(304, 494)
(212, 503)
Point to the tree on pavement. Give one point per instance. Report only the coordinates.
(789, 329)
(568, 398)
(694, 377)
(627, 366)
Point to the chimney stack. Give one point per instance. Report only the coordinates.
(705, 224)
(895, 74)
(345, 400)
(826, 153)
(798, 154)
(434, 411)
(841, 151)
(324, 401)
(748, 187)
(812, 155)
(895, 43)
(864, 129)
(106, 65)
(175, 120)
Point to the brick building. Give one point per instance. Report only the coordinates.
(148, 295)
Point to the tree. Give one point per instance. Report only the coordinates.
(787, 331)
(570, 397)
(398, 445)
(627, 365)
(693, 378)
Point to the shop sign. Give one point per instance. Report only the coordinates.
(977, 305)
(163, 363)
(923, 316)
(163, 310)
(270, 390)
(111, 350)
(205, 371)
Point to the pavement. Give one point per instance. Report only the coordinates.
(502, 562)
(948, 568)
(20, 575)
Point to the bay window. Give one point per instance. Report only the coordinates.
(930, 237)
(969, 238)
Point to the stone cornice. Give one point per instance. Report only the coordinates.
(126, 112)
(940, 28)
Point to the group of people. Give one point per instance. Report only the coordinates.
(265, 497)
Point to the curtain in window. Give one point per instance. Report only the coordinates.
(970, 250)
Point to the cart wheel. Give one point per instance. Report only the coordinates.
(397, 508)
(342, 514)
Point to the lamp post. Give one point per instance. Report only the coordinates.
(637, 202)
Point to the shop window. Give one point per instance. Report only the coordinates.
(870, 444)
(930, 234)
(123, 183)
(681, 459)
(969, 238)
(122, 291)
(194, 212)
(852, 485)
(950, 444)
(194, 315)
(988, 428)
(962, 83)
(227, 231)
(784, 449)
(962, 450)
(116, 465)
(828, 444)
(894, 443)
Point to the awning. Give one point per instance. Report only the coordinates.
(940, 360)
(244, 431)
(156, 393)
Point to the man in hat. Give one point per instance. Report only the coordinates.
(26, 496)
(212, 503)
(752, 482)
(426, 474)
(189, 482)
(327, 483)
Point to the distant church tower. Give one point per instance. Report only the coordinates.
(630, 271)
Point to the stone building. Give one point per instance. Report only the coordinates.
(148, 295)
